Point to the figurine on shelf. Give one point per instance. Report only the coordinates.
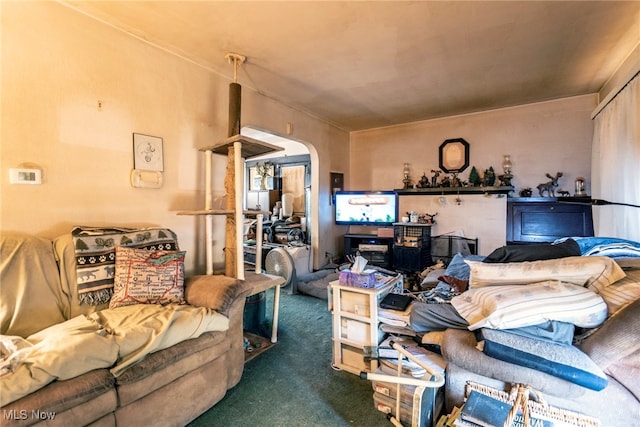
(526, 192)
(424, 182)
(434, 178)
(263, 172)
(430, 219)
(489, 177)
(455, 181)
(549, 187)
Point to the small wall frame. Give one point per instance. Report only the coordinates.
(147, 153)
(454, 155)
(337, 184)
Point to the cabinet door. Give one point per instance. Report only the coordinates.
(533, 222)
(265, 200)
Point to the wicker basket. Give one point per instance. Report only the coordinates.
(520, 398)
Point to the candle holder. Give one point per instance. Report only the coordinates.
(506, 167)
(407, 179)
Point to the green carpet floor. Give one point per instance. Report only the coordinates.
(293, 383)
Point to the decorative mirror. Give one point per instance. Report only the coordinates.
(454, 155)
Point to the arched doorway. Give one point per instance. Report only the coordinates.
(295, 151)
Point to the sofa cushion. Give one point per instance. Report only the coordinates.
(30, 286)
(215, 292)
(514, 306)
(148, 277)
(181, 401)
(168, 357)
(62, 395)
(560, 360)
(162, 367)
(593, 272)
(536, 252)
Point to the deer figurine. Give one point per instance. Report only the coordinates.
(549, 187)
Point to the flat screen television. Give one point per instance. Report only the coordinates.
(366, 207)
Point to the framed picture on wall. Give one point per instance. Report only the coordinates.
(147, 153)
(454, 155)
(337, 184)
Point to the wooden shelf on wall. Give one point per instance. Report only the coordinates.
(453, 190)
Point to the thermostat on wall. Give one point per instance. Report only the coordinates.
(25, 176)
(146, 178)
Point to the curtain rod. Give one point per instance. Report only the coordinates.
(597, 202)
(611, 97)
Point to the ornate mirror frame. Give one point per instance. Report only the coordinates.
(454, 155)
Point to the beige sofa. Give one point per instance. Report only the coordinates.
(167, 387)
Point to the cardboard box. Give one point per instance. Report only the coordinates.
(366, 279)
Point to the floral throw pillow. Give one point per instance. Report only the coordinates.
(148, 277)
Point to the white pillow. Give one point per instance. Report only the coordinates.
(514, 306)
(594, 272)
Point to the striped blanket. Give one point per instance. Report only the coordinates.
(95, 251)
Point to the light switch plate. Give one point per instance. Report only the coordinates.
(25, 176)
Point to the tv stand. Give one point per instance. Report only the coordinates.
(376, 250)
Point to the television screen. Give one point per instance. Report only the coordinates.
(366, 207)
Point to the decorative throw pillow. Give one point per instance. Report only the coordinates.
(148, 277)
(593, 272)
(538, 252)
(95, 255)
(514, 306)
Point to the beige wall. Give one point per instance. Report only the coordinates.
(58, 66)
(541, 138)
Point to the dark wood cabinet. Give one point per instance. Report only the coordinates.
(545, 219)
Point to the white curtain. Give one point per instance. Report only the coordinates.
(615, 164)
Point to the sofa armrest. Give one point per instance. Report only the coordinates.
(226, 295)
(216, 292)
(459, 348)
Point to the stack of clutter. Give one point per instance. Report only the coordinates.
(415, 408)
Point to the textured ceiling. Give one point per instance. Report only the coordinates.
(367, 64)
